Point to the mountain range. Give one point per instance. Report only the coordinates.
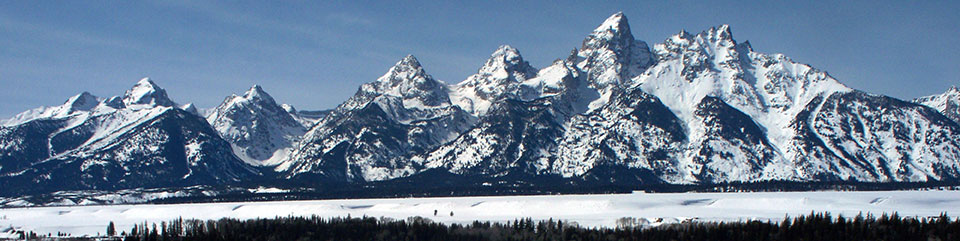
(693, 109)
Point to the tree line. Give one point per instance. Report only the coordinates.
(815, 226)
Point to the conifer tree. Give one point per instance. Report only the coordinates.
(111, 229)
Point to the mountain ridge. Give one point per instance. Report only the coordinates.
(696, 109)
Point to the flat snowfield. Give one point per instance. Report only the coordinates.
(587, 210)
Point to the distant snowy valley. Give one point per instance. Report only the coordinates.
(586, 210)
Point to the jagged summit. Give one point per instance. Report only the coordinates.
(610, 57)
(719, 33)
(255, 90)
(407, 79)
(614, 33)
(254, 96)
(505, 49)
(408, 68)
(714, 37)
(615, 26)
(260, 131)
(497, 79)
(698, 109)
(146, 92)
(953, 89)
(505, 63)
(409, 60)
(504, 56)
(257, 93)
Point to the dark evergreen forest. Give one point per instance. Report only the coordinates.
(815, 226)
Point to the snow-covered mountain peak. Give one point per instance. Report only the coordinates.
(506, 50)
(82, 102)
(408, 80)
(950, 94)
(256, 93)
(499, 78)
(254, 98)
(76, 105)
(683, 34)
(261, 131)
(146, 92)
(716, 41)
(953, 90)
(505, 63)
(610, 57)
(505, 57)
(947, 102)
(407, 68)
(614, 27)
(613, 34)
(409, 60)
(713, 63)
(190, 107)
(719, 33)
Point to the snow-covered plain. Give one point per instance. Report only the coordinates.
(587, 210)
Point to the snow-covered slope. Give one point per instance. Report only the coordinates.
(697, 108)
(261, 131)
(366, 138)
(515, 136)
(704, 108)
(651, 209)
(791, 111)
(947, 103)
(137, 140)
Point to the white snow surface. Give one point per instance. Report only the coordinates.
(586, 210)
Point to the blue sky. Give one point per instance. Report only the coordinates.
(314, 54)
